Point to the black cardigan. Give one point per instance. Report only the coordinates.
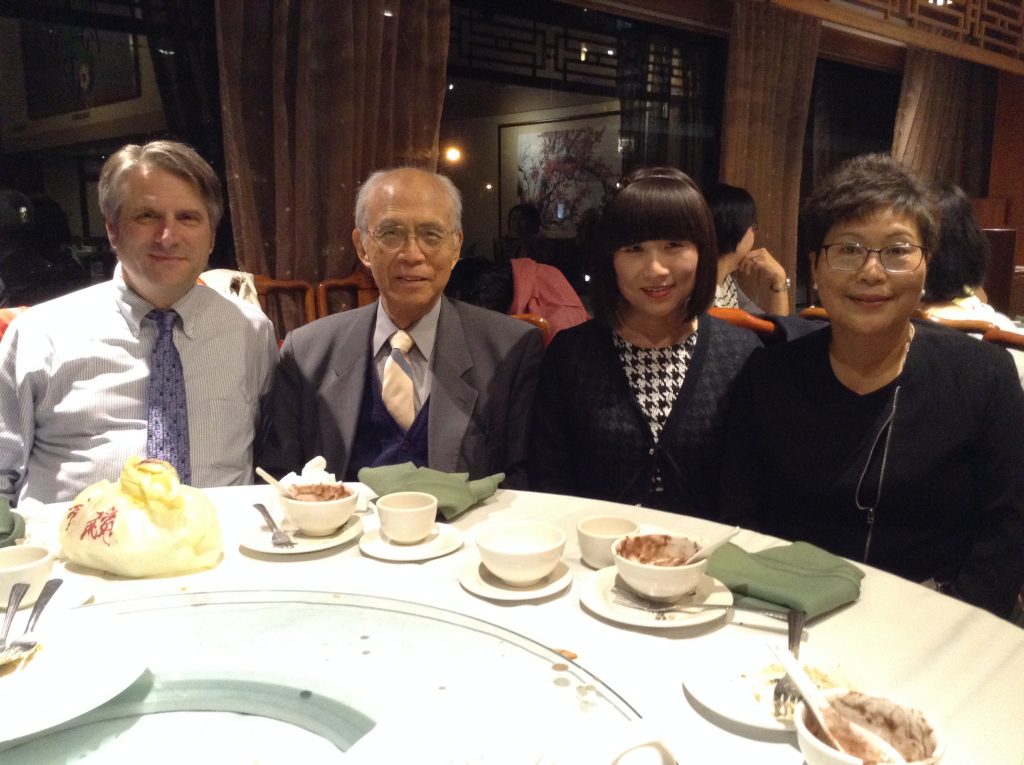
(590, 438)
(951, 503)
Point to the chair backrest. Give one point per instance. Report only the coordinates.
(999, 273)
(536, 320)
(1005, 338)
(741, 318)
(7, 315)
(814, 312)
(289, 303)
(357, 290)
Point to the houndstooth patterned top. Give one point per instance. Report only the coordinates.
(655, 376)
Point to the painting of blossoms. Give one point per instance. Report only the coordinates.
(565, 171)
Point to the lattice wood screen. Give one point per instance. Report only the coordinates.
(994, 25)
(990, 32)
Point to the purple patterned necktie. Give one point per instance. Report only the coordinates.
(167, 436)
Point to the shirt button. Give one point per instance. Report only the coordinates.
(650, 452)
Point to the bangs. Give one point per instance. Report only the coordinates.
(653, 210)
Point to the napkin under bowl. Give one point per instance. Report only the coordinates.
(12, 525)
(454, 491)
(799, 575)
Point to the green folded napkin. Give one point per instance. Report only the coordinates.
(454, 491)
(12, 525)
(799, 575)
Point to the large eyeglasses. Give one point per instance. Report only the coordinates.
(429, 239)
(896, 258)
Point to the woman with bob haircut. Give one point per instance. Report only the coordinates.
(630, 405)
(891, 442)
(735, 216)
(956, 270)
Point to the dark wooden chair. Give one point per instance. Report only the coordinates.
(538, 321)
(1005, 338)
(356, 290)
(289, 303)
(738, 317)
(814, 312)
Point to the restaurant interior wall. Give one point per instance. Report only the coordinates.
(476, 173)
(525, 75)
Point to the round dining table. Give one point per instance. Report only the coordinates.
(343, 654)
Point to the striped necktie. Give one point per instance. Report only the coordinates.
(167, 410)
(397, 388)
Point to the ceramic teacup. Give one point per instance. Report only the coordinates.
(24, 563)
(407, 517)
(598, 533)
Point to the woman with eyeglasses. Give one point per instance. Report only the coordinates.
(735, 216)
(892, 442)
(631, 405)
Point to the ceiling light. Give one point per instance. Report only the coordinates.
(452, 154)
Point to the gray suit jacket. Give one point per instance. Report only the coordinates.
(484, 371)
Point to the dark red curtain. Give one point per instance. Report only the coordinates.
(315, 95)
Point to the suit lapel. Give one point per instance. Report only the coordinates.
(451, 398)
(341, 394)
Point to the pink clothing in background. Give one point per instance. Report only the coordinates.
(544, 290)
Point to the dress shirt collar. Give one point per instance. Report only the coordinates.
(134, 307)
(423, 332)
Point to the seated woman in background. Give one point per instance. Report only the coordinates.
(894, 443)
(956, 270)
(735, 229)
(631, 405)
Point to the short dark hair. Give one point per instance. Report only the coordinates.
(962, 254)
(860, 188)
(734, 212)
(654, 203)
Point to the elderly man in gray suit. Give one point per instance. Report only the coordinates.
(415, 377)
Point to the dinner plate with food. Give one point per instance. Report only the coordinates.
(81, 660)
(258, 539)
(742, 691)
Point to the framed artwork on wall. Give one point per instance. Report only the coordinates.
(71, 69)
(563, 167)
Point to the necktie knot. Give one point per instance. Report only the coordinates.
(164, 319)
(401, 341)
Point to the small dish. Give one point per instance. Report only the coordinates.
(596, 595)
(442, 540)
(259, 540)
(477, 580)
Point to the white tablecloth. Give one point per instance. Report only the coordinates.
(962, 666)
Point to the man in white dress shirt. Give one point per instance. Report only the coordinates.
(74, 371)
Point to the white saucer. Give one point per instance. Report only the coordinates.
(596, 595)
(478, 580)
(442, 540)
(259, 540)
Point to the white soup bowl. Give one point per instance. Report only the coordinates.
(520, 553)
(660, 582)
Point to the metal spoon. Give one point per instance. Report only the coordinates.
(18, 591)
(285, 490)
